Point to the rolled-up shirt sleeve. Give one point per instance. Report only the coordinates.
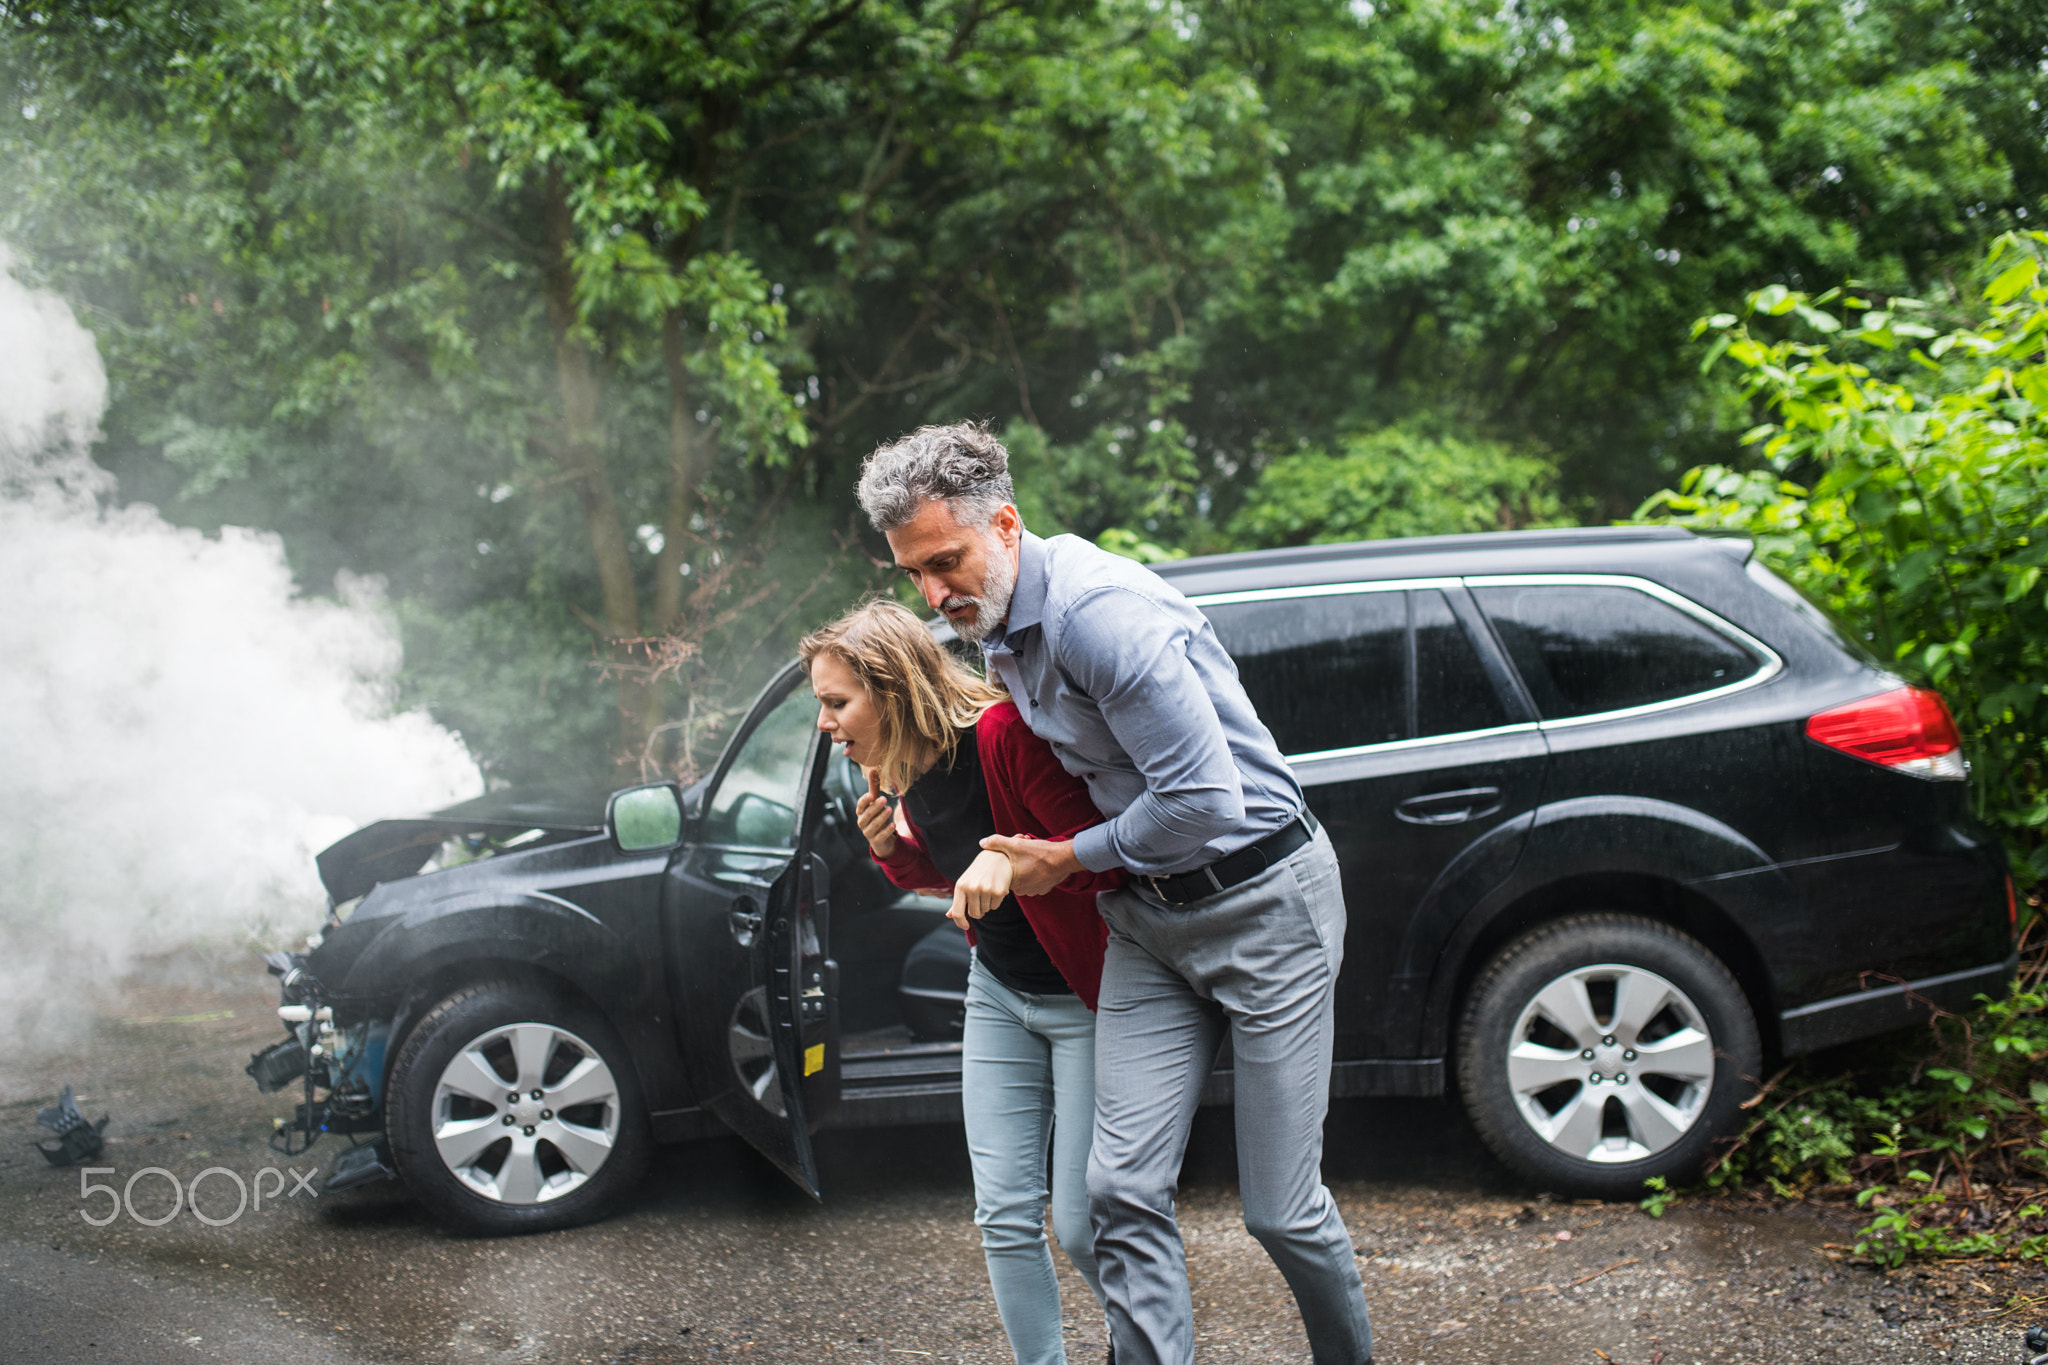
(1131, 658)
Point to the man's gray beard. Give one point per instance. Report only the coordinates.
(994, 603)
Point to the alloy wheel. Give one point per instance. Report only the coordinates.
(525, 1113)
(1610, 1063)
(752, 1049)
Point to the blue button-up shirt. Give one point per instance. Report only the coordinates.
(1110, 665)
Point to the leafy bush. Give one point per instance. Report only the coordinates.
(1904, 486)
(1946, 1147)
(1398, 481)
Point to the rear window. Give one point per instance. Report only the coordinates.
(1814, 614)
(1583, 649)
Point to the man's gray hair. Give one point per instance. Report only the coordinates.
(962, 465)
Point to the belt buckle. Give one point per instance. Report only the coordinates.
(1162, 891)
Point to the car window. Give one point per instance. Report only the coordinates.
(1583, 648)
(1816, 615)
(1324, 672)
(756, 802)
(1452, 691)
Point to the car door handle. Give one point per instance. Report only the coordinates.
(744, 919)
(1449, 808)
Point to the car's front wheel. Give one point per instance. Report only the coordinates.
(1601, 1050)
(514, 1109)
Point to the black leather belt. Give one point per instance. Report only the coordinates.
(1185, 888)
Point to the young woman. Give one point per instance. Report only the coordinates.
(966, 767)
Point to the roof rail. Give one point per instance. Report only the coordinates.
(1422, 545)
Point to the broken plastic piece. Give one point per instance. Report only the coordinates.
(277, 1065)
(361, 1166)
(77, 1140)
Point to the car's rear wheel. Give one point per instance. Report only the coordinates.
(1601, 1050)
(514, 1109)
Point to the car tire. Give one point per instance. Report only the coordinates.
(1600, 1050)
(476, 1146)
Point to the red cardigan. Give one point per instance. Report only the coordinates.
(1029, 793)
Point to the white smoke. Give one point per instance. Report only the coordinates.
(52, 391)
(180, 729)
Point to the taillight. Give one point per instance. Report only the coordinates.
(2012, 908)
(1909, 730)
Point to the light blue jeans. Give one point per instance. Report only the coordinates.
(1027, 1083)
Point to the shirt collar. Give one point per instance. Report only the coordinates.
(1027, 599)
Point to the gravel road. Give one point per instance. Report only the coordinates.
(719, 1258)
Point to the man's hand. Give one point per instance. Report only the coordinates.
(1036, 865)
(876, 820)
(981, 888)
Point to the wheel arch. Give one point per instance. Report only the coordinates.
(1628, 855)
(1646, 896)
(549, 944)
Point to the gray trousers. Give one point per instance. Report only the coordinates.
(1259, 960)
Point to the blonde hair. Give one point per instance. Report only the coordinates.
(923, 696)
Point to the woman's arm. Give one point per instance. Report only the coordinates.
(893, 843)
(911, 868)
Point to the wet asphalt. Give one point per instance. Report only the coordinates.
(719, 1258)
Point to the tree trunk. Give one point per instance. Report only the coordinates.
(688, 452)
(579, 371)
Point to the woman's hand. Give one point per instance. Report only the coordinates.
(876, 820)
(981, 887)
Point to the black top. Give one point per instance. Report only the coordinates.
(949, 807)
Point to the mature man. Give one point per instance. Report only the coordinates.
(1234, 918)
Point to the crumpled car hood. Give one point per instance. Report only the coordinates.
(392, 849)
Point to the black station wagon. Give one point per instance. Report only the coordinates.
(1620, 816)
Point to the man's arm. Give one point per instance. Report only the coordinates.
(1131, 657)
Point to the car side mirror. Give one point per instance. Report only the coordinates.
(762, 823)
(646, 818)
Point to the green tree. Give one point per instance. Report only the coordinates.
(1507, 217)
(1396, 482)
(550, 320)
(432, 289)
(1500, 221)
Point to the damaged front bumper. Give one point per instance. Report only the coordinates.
(339, 1068)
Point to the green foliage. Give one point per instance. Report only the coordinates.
(1906, 1226)
(617, 295)
(1906, 490)
(1504, 217)
(1660, 1198)
(1948, 1140)
(1397, 482)
(1119, 541)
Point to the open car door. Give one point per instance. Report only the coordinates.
(749, 931)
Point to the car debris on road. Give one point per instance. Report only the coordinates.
(77, 1138)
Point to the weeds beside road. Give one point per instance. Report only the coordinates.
(1940, 1137)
